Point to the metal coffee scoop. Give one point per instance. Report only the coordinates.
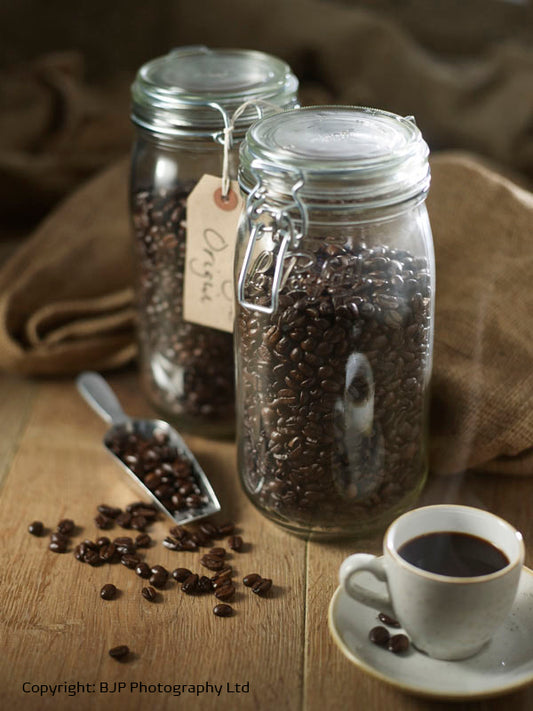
(95, 390)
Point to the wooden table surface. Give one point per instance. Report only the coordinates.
(54, 628)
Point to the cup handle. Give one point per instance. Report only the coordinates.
(370, 563)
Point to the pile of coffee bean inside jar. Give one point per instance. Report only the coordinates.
(187, 369)
(342, 366)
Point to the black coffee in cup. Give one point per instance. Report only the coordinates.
(453, 553)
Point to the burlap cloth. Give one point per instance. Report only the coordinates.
(65, 296)
(65, 304)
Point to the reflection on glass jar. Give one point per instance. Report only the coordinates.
(181, 105)
(334, 335)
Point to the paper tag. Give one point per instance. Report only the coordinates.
(211, 236)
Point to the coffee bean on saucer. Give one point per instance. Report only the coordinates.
(251, 579)
(379, 635)
(120, 652)
(149, 594)
(223, 610)
(262, 586)
(181, 574)
(387, 620)
(143, 570)
(36, 528)
(398, 643)
(235, 543)
(108, 592)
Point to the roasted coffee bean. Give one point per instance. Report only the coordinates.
(57, 546)
(126, 548)
(398, 643)
(79, 553)
(66, 526)
(379, 635)
(225, 592)
(92, 557)
(261, 587)
(143, 570)
(188, 545)
(217, 584)
(212, 562)
(109, 511)
(226, 529)
(124, 519)
(108, 553)
(143, 540)
(139, 523)
(218, 552)
(200, 539)
(158, 580)
(208, 529)
(179, 533)
(223, 610)
(190, 584)
(181, 574)
(103, 522)
(160, 569)
(223, 574)
(108, 592)
(129, 560)
(90, 545)
(204, 584)
(36, 528)
(251, 579)
(58, 537)
(149, 594)
(387, 620)
(102, 541)
(120, 652)
(123, 541)
(201, 356)
(172, 544)
(235, 543)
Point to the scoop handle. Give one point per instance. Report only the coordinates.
(97, 393)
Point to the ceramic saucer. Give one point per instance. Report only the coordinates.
(504, 665)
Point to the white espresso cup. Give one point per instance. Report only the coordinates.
(445, 616)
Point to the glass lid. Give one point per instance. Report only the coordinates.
(175, 91)
(364, 152)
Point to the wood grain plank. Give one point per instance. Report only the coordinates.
(334, 683)
(55, 628)
(16, 398)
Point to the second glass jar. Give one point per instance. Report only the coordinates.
(181, 104)
(335, 281)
